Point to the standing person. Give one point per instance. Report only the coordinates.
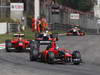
(23, 24)
(33, 24)
(44, 24)
(19, 26)
(39, 26)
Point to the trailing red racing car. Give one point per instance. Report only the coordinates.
(45, 37)
(53, 54)
(18, 43)
(75, 31)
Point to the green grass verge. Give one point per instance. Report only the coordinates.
(28, 35)
(58, 31)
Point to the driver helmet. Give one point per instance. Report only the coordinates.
(45, 34)
(75, 27)
(47, 31)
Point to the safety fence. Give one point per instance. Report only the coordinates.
(12, 27)
(63, 18)
(4, 8)
(8, 27)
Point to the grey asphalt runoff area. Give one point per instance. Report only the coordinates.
(19, 64)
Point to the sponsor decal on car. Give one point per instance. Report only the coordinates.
(44, 41)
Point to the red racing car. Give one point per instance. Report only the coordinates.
(18, 43)
(52, 54)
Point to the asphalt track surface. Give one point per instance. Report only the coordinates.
(18, 63)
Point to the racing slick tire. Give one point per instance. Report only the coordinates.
(82, 34)
(33, 55)
(34, 52)
(43, 58)
(8, 45)
(51, 58)
(75, 34)
(76, 57)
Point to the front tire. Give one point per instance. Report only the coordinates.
(33, 51)
(43, 58)
(76, 57)
(33, 55)
(51, 58)
(8, 45)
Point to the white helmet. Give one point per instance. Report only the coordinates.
(46, 31)
(76, 27)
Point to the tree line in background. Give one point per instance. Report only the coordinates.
(81, 5)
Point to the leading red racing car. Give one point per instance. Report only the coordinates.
(18, 43)
(53, 54)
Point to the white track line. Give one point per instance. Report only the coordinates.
(2, 46)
